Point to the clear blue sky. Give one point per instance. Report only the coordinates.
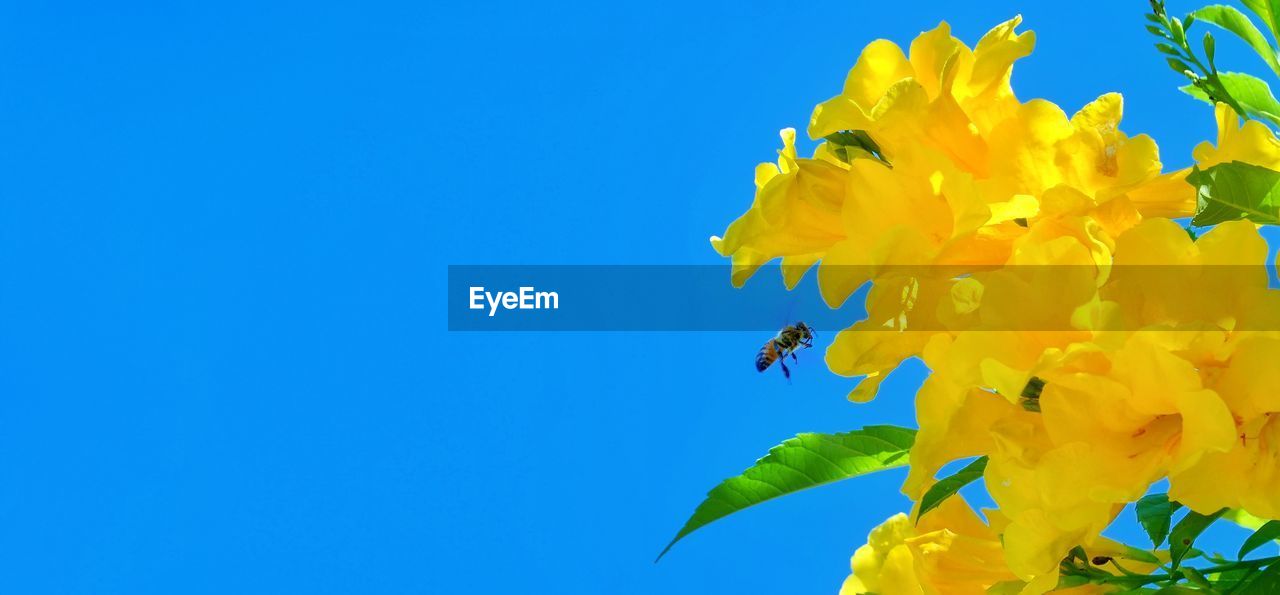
(224, 230)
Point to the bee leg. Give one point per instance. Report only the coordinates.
(793, 357)
(785, 370)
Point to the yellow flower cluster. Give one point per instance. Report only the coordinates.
(1076, 335)
(952, 551)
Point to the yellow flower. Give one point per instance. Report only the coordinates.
(1100, 440)
(1246, 474)
(1162, 277)
(1119, 409)
(966, 165)
(885, 87)
(950, 551)
(796, 215)
(974, 179)
(1251, 143)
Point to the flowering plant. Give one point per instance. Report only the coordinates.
(1083, 343)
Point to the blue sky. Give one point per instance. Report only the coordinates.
(224, 230)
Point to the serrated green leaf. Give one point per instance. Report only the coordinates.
(1167, 49)
(948, 486)
(803, 462)
(1236, 190)
(1230, 19)
(1155, 514)
(1264, 534)
(1186, 532)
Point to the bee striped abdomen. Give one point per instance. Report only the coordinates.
(768, 354)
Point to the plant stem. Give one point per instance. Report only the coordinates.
(1132, 580)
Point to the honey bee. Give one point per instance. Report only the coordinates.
(789, 340)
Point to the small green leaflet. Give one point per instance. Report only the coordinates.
(806, 461)
(1186, 532)
(1230, 19)
(1250, 92)
(1196, 578)
(948, 486)
(1265, 533)
(1133, 553)
(1155, 512)
(1236, 190)
(849, 144)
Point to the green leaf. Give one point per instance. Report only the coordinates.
(806, 461)
(1196, 578)
(1196, 92)
(1226, 582)
(1236, 190)
(1133, 553)
(948, 486)
(1267, 581)
(1186, 532)
(849, 144)
(1248, 95)
(1230, 19)
(1006, 588)
(1071, 582)
(1268, 11)
(1240, 517)
(1178, 66)
(1265, 533)
(1253, 94)
(1155, 513)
